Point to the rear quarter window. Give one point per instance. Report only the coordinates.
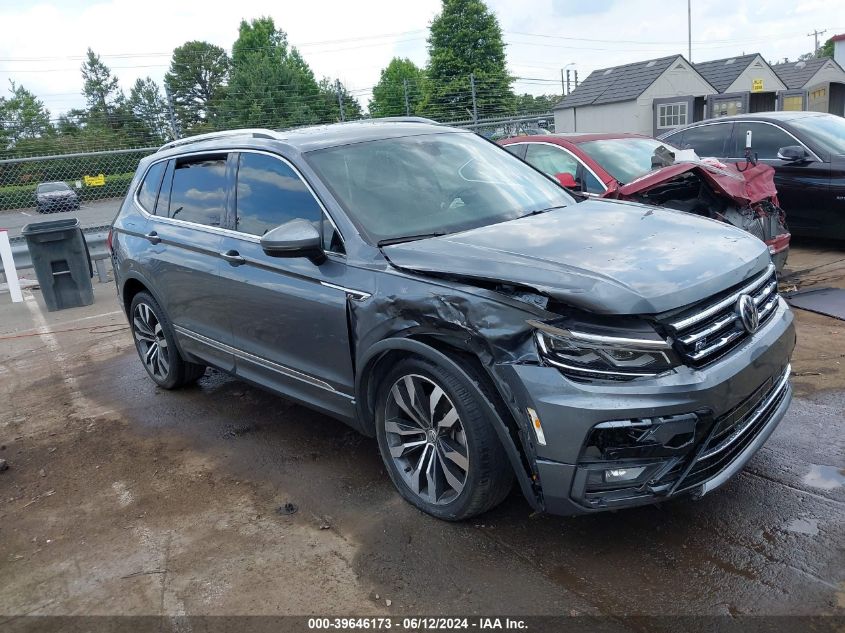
(148, 191)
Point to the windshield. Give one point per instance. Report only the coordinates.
(432, 184)
(47, 187)
(626, 159)
(827, 131)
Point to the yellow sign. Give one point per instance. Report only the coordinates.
(94, 181)
(756, 85)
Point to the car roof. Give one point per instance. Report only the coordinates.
(306, 139)
(777, 117)
(576, 137)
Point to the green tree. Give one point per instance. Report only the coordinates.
(389, 93)
(826, 49)
(196, 81)
(149, 109)
(24, 116)
(528, 104)
(330, 112)
(269, 83)
(102, 92)
(465, 39)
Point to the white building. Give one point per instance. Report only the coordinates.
(745, 84)
(815, 84)
(650, 97)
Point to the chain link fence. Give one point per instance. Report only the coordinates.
(105, 175)
(91, 176)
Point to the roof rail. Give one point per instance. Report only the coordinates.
(253, 132)
(405, 119)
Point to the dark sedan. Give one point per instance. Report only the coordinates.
(53, 197)
(807, 150)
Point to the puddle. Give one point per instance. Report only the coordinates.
(825, 477)
(809, 527)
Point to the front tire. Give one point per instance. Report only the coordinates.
(442, 453)
(156, 345)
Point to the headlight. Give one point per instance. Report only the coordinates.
(586, 355)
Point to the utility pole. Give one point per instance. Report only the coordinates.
(474, 104)
(174, 127)
(340, 100)
(689, 31)
(562, 84)
(568, 84)
(407, 104)
(576, 79)
(815, 35)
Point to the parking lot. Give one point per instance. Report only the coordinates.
(121, 498)
(96, 213)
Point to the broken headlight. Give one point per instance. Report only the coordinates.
(587, 355)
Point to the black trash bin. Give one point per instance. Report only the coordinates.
(62, 263)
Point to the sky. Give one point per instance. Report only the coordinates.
(43, 43)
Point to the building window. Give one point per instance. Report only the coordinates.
(671, 114)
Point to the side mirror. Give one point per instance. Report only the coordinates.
(567, 180)
(792, 153)
(296, 238)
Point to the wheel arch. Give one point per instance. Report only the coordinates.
(378, 359)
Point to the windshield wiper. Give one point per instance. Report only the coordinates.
(409, 238)
(539, 211)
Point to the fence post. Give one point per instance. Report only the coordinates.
(174, 128)
(9, 267)
(474, 104)
(407, 103)
(340, 101)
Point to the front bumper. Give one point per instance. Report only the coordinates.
(746, 391)
(50, 205)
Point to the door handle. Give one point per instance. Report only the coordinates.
(153, 237)
(233, 257)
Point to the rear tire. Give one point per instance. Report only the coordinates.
(441, 452)
(156, 345)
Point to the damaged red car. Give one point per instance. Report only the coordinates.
(642, 169)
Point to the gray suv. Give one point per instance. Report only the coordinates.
(430, 289)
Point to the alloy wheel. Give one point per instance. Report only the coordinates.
(152, 344)
(426, 439)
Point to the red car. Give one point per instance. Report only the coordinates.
(643, 169)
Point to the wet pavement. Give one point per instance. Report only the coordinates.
(123, 498)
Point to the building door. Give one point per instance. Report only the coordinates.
(728, 104)
(762, 102)
(792, 100)
(672, 112)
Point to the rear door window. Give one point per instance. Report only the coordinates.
(270, 193)
(766, 140)
(198, 192)
(148, 192)
(706, 140)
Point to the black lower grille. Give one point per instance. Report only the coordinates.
(735, 431)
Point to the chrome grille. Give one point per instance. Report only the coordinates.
(709, 329)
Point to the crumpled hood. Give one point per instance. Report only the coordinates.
(749, 186)
(602, 256)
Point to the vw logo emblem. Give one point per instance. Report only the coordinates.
(748, 313)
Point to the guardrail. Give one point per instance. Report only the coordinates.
(95, 237)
